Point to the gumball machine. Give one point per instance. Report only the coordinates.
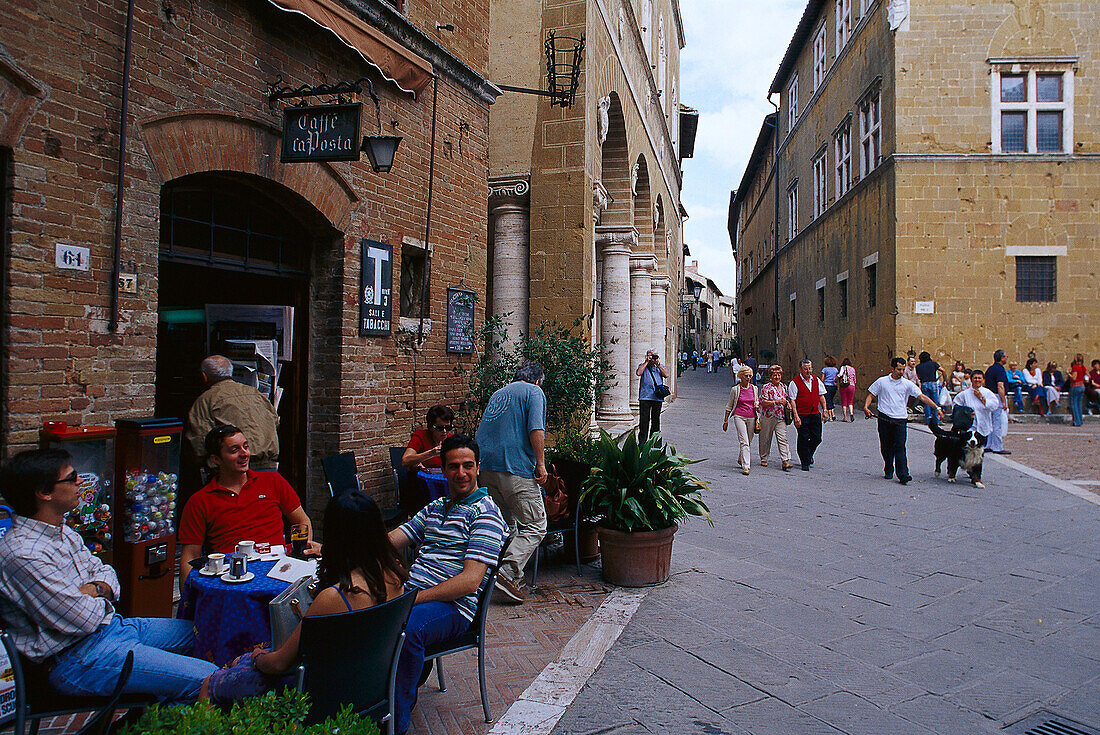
(92, 449)
(147, 465)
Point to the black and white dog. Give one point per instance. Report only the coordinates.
(962, 446)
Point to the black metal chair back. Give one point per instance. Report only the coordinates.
(351, 658)
(340, 473)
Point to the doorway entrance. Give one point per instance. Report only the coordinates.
(241, 242)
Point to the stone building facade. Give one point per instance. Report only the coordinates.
(585, 212)
(209, 214)
(937, 185)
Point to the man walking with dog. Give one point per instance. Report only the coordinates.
(996, 379)
(893, 392)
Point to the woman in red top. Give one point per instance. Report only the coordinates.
(423, 448)
(1077, 389)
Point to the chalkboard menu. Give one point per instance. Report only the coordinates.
(321, 133)
(460, 320)
(375, 288)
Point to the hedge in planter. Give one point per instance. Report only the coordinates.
(641, 491)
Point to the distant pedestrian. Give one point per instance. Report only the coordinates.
(715, 360)
(650, 397)
(773, 401)
(694, 359)
(893, 392)
(910, 374)
(996, 379)
(227, 402)
(744, 404)
(1077, 377)
(734, 366)
(807, 399)
(1092, 387)
(929, 373)
(828, 377)
(846, 380)
(512, 436)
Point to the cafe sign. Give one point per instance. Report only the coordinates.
(321, 133)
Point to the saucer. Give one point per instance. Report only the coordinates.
(248, 577)
(207, 573)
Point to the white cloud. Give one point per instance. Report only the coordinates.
(733, 50)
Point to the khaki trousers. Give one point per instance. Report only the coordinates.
(770, 425)
(745, 428)
(520, 500)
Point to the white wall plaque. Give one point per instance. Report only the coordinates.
(72, 257)
(924, 307)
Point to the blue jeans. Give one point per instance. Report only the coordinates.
(932, 390)
(1018, 393)
(1077, 404)
(161, 666)
(429, 623)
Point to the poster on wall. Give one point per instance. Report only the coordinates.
(460, 320)
(375, 288)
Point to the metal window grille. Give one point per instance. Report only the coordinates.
(821, 304)
(872, 285)
(1036, 278)
(842, 294)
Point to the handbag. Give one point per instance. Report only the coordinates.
(555, 498)
(756, 429)
(842, 376)
(660, 390)
(288, 608)
(788, 414)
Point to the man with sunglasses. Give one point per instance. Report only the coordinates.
(56, 597)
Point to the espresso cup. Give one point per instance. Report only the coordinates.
(238, 565)
(248, 548)
(215, 563)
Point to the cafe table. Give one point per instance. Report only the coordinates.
(231, 618)
(436, 483)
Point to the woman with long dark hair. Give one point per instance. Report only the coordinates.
(359, 568)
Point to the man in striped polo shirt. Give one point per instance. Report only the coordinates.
(459, 537)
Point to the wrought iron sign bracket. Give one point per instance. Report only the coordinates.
(563, 70)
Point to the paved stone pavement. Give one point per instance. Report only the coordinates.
(835, 601)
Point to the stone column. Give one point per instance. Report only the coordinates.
(510, 213)
(641, 304)
(600, 201)
(616, 244)
(658, 317)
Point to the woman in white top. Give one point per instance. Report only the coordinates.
(1034, 377)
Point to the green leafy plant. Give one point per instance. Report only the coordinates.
(274, 713)
(575, 445)
(576, 372)
(642, 487)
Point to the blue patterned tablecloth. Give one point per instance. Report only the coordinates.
(230, 619)
(436, 483)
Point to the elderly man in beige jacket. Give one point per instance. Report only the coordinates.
(226, 401)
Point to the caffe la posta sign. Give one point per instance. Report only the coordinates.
(321, 133)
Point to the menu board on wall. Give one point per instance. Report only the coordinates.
(375, 288)
(460, 320)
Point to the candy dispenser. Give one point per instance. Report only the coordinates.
(147, 471)
(92, 450)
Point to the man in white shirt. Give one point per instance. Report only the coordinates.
(981, 400)
(893, 392)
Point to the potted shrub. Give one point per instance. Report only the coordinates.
(572, 456)
(641, 492)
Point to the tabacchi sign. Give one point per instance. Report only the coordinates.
(321, 133)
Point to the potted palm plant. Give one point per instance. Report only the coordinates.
(641, 492)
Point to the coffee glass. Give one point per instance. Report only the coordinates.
(215, 563)
(238, 566)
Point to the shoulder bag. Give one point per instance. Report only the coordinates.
(288, 608)
(660, 390)
(555, 498)
(842, 376)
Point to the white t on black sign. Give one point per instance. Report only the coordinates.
(375, 288)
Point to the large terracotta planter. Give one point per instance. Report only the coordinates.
(639, 559)
(590, 542)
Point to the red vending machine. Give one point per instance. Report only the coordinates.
(92, 449)
(147, 465)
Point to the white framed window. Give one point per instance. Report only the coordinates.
(821, 185)
(842, 149)
(1032, 108)
(792, 210)
(646, 27)
(662, 57)
(870, 133)
(792, 103)
(820, 63)
(843, 23)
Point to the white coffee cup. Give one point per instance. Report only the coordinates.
(248, 548)
(215, 563)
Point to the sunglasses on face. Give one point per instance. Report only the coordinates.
(71, 477)
(448, 427)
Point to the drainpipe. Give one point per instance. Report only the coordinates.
(428, 218)
(116, 254)
(775, 229)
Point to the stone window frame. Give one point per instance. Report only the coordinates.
(842, 294)
(794, 310)
(792, 210)
(870, 271)
(820, 51)
(792, 103)
(413, 248)
(1031, 68)
(843, 23)
(842, 155)
(870, 133)
(821, 181)
(820, 288)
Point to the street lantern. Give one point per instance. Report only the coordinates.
(698, 290)
(380, 150)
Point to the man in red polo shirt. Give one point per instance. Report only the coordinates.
(239, 504)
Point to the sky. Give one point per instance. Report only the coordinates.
(733, 50)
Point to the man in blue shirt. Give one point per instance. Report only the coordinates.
(996, 379)
(459, 537)
(652, 374)
(513, 468)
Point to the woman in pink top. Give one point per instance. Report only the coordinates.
(846, 380)
(743, 404)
